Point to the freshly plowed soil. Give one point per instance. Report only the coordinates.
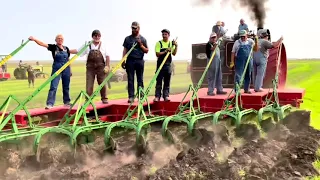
(286, 151)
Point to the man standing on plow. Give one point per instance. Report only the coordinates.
(60, 56)
(98, 64)
(260, 58)
(135, 62)
(240, 53)
(162, 47)
(214, 71)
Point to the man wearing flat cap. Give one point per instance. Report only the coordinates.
(98, 64)
(162, 48)
(135, 62)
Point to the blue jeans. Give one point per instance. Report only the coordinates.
(239, 71)
(134, 66)
(65, 76)
(259, 69)
(215, 76)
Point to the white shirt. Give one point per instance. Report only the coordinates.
(236, 45)
(102, 50)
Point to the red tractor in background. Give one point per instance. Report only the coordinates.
(4, 75)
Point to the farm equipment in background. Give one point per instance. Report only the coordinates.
(38, 72)
(21, 71)
(84, 116)
(119, 76)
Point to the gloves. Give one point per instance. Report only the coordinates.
(123, 65)
(106, 69)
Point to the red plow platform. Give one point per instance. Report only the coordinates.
(115, 109)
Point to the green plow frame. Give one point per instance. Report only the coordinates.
(233, 108)
(78, 123)
(9, 121)
(141, 120)
(272, 102)
(5, 59)
(187, 113)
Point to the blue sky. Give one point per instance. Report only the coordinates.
(76, 20)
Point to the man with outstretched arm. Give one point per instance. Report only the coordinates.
(135, 62)
(240, 54)
(214, 71)
(97, 65)
(60, 54)
(260, 58)
(162, 48)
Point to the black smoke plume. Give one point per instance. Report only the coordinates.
(257, 8)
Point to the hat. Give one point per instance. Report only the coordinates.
(213, 34)
(135, 24)
(262, 33)
(165, 30)
(95, 32)
(218, 23)
(242, 33)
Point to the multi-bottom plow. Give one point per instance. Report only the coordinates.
(186, 112)
(272, 102)
(141, 120)
(78, 123)
(234, 107)
(10, 129)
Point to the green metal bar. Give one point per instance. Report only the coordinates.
(83, 108)
(29, 98)
(4, 60)
(196, 89)
(147, 91)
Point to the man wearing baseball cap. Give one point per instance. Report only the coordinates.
(162, 48)
(135, 62)
(240, 53)
(214, 71)
(98, 64)
(260, 58)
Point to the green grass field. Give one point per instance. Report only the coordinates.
(301, 74)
